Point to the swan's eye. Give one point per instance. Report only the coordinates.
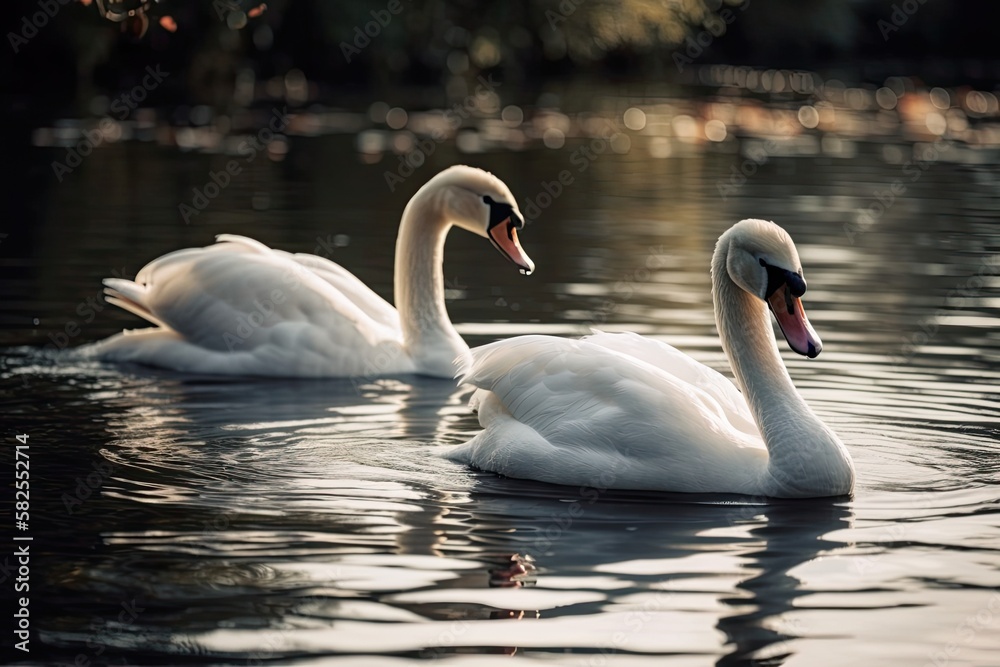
(500, 212)
(777, 277)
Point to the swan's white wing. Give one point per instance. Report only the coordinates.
(564, 411)
(239, 307)
(671, 360)
(340, 279)
(350, 286)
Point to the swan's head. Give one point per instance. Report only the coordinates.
(763, 261)
(481, 203)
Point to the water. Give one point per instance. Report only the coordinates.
(193, 520)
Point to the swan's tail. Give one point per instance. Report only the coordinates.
(131, 297)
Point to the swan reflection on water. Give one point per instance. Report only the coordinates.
(370, 542)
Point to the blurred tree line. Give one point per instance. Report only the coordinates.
(60, 53)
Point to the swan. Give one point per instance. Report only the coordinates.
(626, 412)
(239, 307)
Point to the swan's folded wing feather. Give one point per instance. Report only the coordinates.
(350, 286)
(686, 368)
(342, 280)
(580, 393)
(576, 412)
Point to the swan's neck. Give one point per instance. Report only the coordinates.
(428, 335)
(806, 458)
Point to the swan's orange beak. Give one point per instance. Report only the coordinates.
(792, 319)
(504, 237)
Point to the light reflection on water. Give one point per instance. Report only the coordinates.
(308, 520)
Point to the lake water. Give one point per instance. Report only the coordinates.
(197, 520)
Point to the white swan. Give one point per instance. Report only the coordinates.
(626, 412)
(241, 308)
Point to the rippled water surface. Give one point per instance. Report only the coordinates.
(193, 520)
